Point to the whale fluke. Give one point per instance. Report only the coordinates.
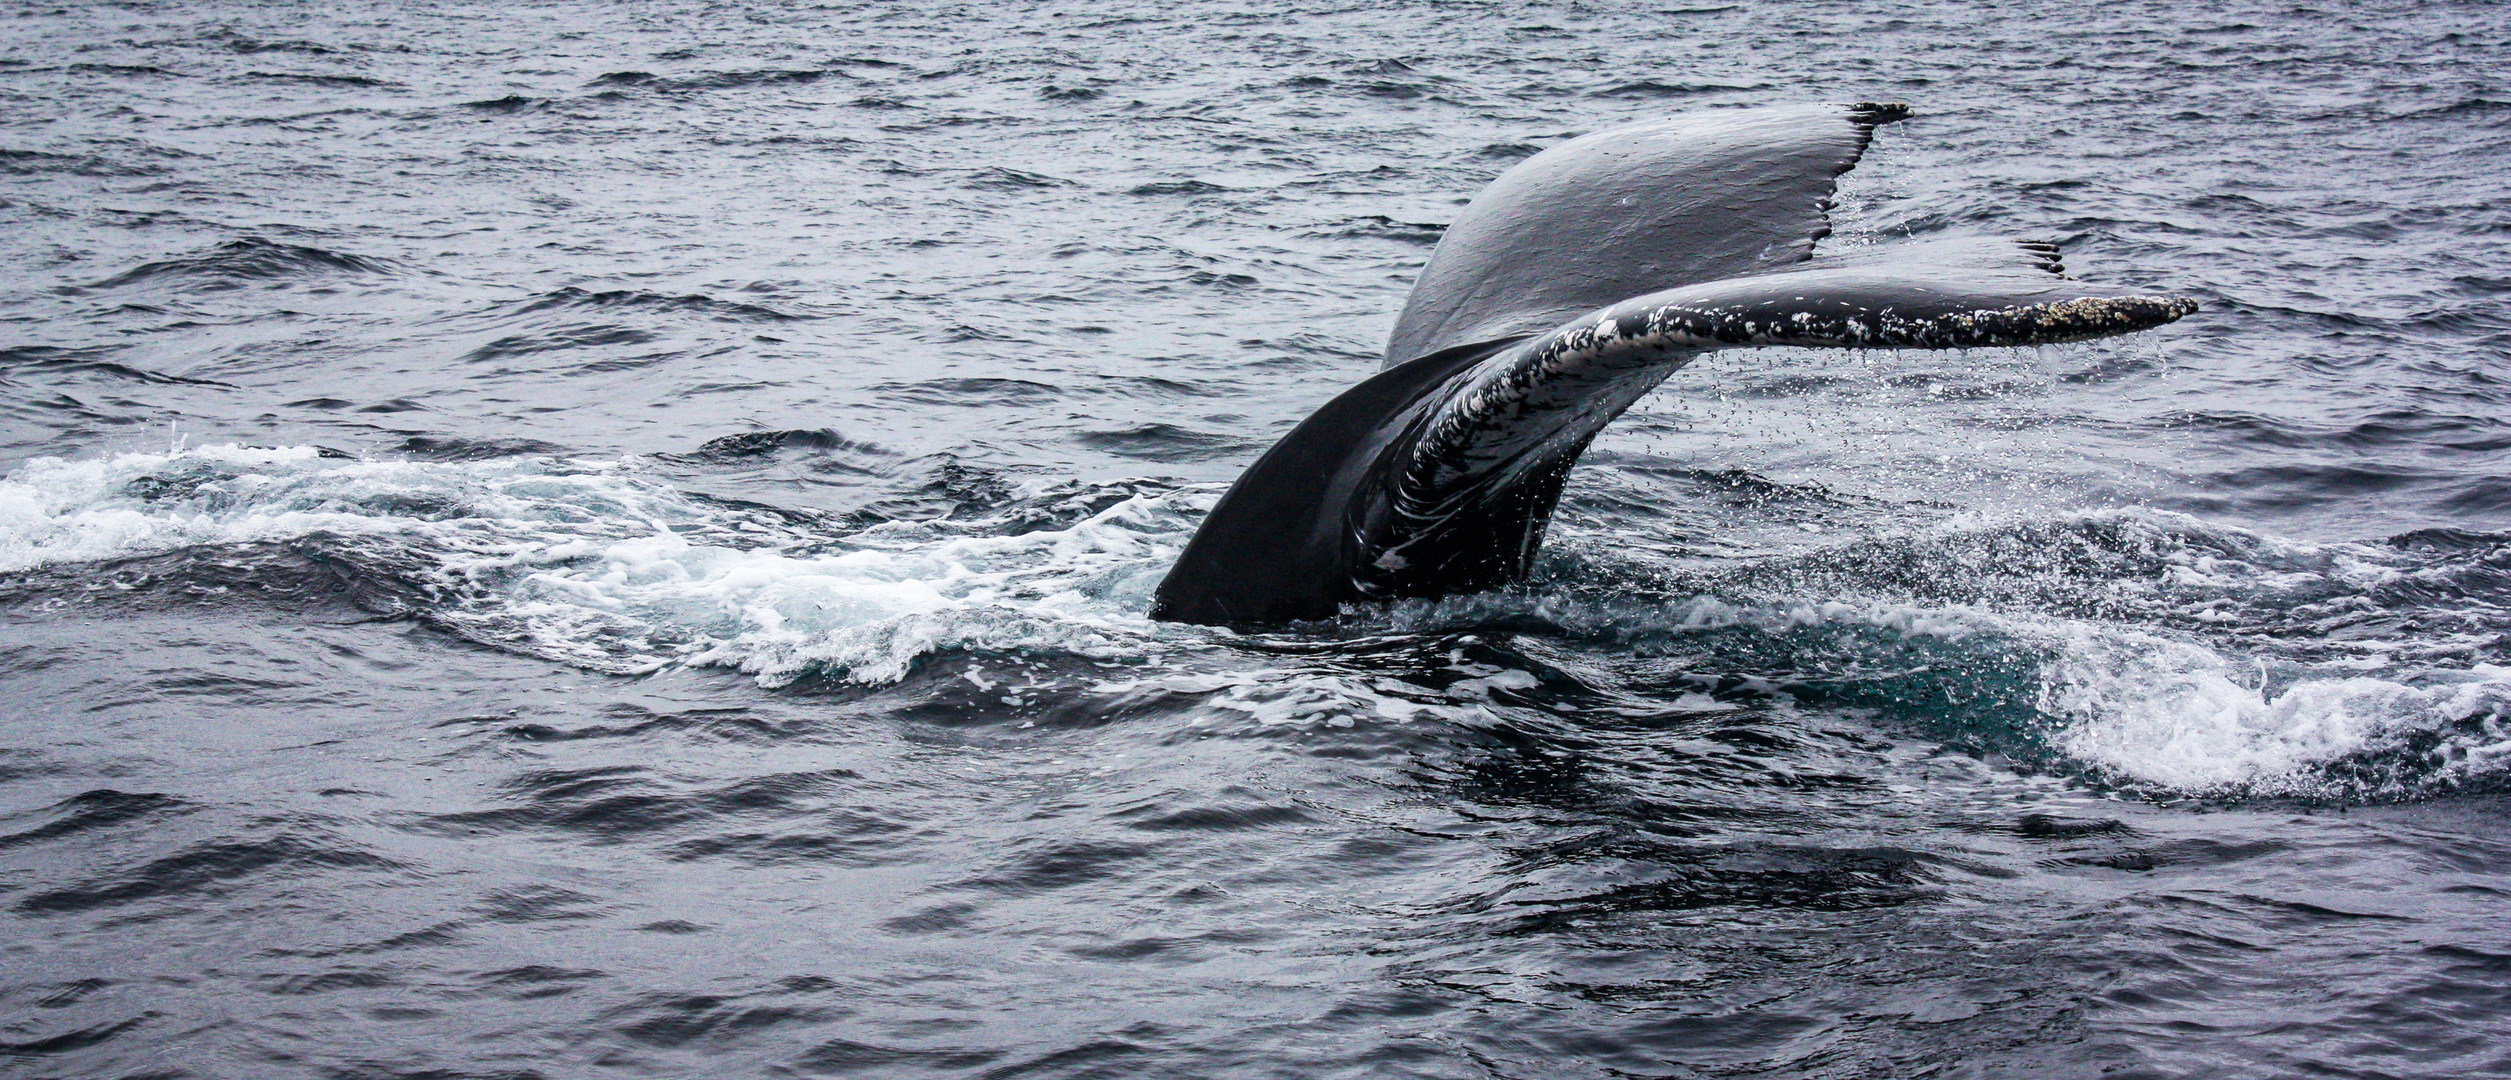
(1631, 210)
(1439, 474)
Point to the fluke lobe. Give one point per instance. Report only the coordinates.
(1571, 287)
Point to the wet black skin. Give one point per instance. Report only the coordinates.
(1578, 281)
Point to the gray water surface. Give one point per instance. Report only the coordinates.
(585, 540)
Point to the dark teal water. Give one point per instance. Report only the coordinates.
(602, 541)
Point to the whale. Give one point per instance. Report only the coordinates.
(1575, 283)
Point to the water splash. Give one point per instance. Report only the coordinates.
(2149, 651)
(598, 563)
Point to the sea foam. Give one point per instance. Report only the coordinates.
(604, 564)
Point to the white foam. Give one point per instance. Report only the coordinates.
(870, 612)
(594, 562)
(2137, 706)
(1327, 701)
(597, 562)
(2185, 717)
(54, 511)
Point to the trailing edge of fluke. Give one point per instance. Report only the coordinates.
(1573, 285)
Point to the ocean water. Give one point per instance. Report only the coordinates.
(586, 541)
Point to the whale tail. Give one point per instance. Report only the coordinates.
(1631, 210)
(1440, 474)
(1468, 496)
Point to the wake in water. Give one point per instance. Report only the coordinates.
(595, 563)
(2150, 652)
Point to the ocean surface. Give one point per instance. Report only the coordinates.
(570, 540)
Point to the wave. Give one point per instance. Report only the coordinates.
(593, 563)
(2147, 652)
(753, 444)
(969, 392)
(1178, 187)
(2177, 717)
(2128, 708)
(39, 162)
(1167, 442)
(1651, 88)
(357, 82)
(511, 103)
(248, 259)
(1002, 178)
(721, 80)
(457, 448)
(1382, 227)
(32, 358)
(123, 69)
(728, 80)
(562, 339)
(2304, 602)
(570, 298)
(236, 42)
